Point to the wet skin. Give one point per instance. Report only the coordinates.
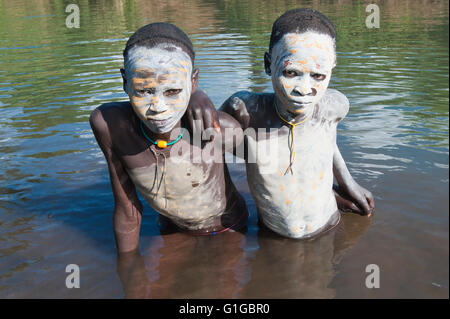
(134, 162)
(170, 268)
(300, 66)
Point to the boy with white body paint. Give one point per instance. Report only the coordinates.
(297, 199)
(146, 146)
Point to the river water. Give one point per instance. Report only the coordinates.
(55, 198)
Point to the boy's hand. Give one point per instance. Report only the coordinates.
(237, 109)
(355, 199)
(201, 113)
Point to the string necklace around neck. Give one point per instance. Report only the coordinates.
(292, 126)
(161, 143)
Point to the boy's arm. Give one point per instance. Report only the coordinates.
(349, 195)
(132, 274)
(349, 190)
(231, 132)
(127, 207)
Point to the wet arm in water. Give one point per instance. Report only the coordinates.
(132, 274)
(127, 207)
(350, 194)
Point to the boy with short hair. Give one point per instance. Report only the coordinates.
(145, 144)
(297, 199)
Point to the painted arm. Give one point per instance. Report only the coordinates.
(350, 195)
(127, 207)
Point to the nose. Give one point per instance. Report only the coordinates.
(156, 105)
(304, 87)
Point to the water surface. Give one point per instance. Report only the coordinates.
(56, 202)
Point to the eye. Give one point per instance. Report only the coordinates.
(143, 92)
(172, 92)
(318, 76)
(289, 73)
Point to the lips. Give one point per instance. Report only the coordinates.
(300, 103)
(158, 122)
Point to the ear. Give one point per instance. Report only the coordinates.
(267, 63)
(194, 80)
(124, 78)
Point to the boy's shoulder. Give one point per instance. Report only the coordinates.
(253, 102)
(112, 113)
(115, 115)
(334, 105)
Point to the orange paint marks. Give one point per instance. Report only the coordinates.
(177, 101)
(138, 70)
(144, 82)
(309, 227)
(311, 198)
(282, 188)
(185, 63)
(321, 175)
(177, 75)
(280, 172)
(303, 62)
(287, 201)
(287, 86)
(138, 102)
(293, 51)
(137, 99)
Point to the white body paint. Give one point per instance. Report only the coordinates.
(171, 69)
(305, 55)
(298, 204)
(188, 195)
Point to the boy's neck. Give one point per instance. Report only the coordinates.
(287, 115)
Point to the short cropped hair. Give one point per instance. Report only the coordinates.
(300, 21)
(157, 33)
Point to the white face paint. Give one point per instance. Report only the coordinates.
(301, 66)
(159, 85)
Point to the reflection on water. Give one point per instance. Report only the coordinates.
(55, 199)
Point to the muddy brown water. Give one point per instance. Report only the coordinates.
(55, 198)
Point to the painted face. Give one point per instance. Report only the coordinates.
(159, 85)
(301, 66)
